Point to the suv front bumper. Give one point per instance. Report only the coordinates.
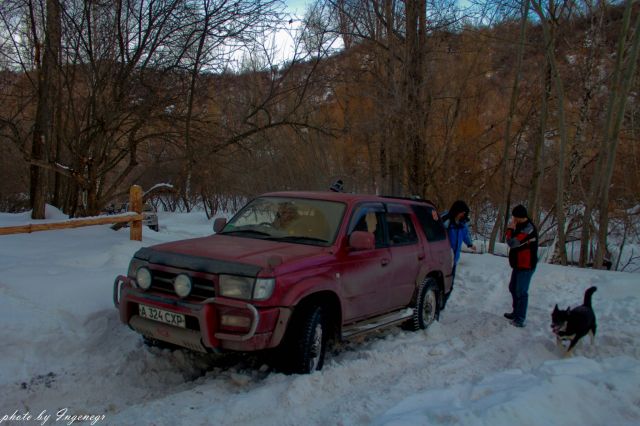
(203, 331)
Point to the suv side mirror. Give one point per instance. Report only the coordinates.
(219, 224)
(360, 240)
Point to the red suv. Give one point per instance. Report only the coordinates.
(293, 271)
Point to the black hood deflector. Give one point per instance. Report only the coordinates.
(196, 263)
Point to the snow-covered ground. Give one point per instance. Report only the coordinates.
(64, 351)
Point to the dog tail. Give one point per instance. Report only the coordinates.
(587, 295)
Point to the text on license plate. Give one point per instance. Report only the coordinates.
(161, 315)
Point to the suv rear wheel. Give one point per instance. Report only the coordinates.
(425, 309)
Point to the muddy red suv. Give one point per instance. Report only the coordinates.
(292, 271)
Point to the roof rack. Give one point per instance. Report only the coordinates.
(410, 198)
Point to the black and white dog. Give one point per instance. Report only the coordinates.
(574, 324)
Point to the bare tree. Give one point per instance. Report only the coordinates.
(219, 31)
(549, 19)
(539, 147)
(121, 82)
(623, 74)
(46, 94)
(503, 209)
(396, 34)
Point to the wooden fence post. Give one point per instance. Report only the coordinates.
(135, 205)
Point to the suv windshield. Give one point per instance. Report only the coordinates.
(296, 220)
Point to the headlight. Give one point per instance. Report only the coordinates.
(264, 288)
(182, 285)
(246, 288)
(143, 278)
(134, 265)
(237, 287)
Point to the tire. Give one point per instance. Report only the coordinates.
(307, 343)
(425, 309)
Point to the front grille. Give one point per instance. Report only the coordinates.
(163, 283)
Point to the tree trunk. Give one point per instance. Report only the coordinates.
(623, 75)
(589, 196)
(393, 151)
(513, 102)
(42, 128)
(560, 193)
(550, 41)
(414, 102)
(538, 156)
(343, 25)
(190, 163)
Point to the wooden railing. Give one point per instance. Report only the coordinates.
(134, 216)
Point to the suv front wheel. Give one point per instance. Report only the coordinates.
(307, 341)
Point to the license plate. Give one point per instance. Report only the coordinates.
(161, 315)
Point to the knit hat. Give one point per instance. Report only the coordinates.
(519, 211)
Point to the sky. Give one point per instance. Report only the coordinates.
(64, 352)
(296, 6)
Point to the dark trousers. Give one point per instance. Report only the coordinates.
(519, 289)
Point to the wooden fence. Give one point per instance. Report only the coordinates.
(134, 217)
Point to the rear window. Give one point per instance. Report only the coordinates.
(430, 222)
(401, 231)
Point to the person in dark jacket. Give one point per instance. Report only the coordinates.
(455, 221)
(522, 239)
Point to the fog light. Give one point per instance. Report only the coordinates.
(143, 278)
(235, 321)
(182, 285)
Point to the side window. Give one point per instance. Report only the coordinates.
(368, 218)
(430, 222)
(401, 230)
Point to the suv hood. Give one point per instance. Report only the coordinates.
(226, 254)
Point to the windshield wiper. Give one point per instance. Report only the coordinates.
(246, 231)
(299, 238)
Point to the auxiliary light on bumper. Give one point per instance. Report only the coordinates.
(182, 285)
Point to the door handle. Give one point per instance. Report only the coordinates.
(421, 256)
(384, 262)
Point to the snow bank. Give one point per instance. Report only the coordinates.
(564, 392)
(51, 213)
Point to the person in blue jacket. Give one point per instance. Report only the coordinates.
(455, 221)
